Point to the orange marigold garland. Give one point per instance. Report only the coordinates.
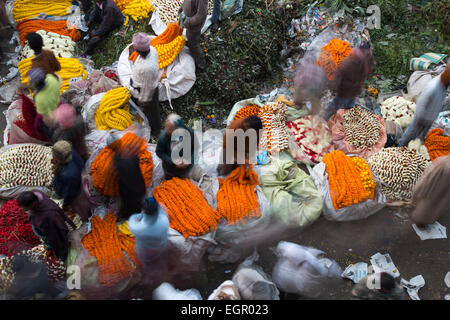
(331, 56)
(236, 198)
(189, 213)
(247, 111)
(102, 169)
(344, 178)
(437, 144)
(108, 246)
(59, 27)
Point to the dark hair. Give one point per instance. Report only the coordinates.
(150, 206)
(75, 135)
(143, 54)
(254, 122)
(131, 184)
(35, 41)
(26, 199)
(387, 282)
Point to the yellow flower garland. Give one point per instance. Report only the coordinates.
(110, 115)
(26, 9)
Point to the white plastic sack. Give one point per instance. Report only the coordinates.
(180, 74)
(355, 212)
(442, 122)
(166, 291)
(419, 79)
(210, 151)
(299, 270)
(226, 291)
(253, 283)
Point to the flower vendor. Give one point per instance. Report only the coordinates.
(67, 182)
(196, 12)
(46, 97)
(48, 221)
(429, 192)
(150, 229)
(169, 142)
(349, 79)
(109, 17)
(44, 59)
(144, 80)
(252, 122)
(428, 106)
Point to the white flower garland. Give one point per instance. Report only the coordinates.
(398, 109)
(62, 46)
(275, 135)
(361, 128)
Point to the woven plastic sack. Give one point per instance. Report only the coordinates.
(419, 79)
(180, 74)
(293, 197)
(356, 212)
(300, 270)
(340, 143)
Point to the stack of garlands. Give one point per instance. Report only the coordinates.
(275, 137)
(15, 229)
(102, 169)
(62, 46)
(236, 197)
(59, 27)
(26, 165)
(345, 179)
(71, 68)
(247, 111)
(189, 213)
(361, 128)
(109, 246)
(366, 175)
(56, 268)
(112, 112)
(437, 144)
(399, 169)
(332, 55)
(25, 9)
(169, 44)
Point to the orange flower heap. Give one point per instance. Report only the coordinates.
(247, 111)
(169, 44)
(437, 144)
(102, 169)
(236, 198)
(108, 246)
(189, 213)
(332, 55)
(344, 178)
(59, 27)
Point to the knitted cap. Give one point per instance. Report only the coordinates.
(65, 115)
(63, 150)
(141, 41)
(36, 75)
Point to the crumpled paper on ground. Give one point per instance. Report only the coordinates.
(431, 231)
(355, 272)
(383, 263)
(413, 286)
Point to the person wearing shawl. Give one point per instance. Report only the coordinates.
(144, 80)
(67, 182)
(48, 220)
(44, 59)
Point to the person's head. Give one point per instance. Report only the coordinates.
(141, 43)
(62, 152)
(35, 41)
(387, 282)
(253, 122)
(65, 115)
(27, 200)
(171, 123)
(36, 77)
(150, 206)
(445, 76)
(310, 82)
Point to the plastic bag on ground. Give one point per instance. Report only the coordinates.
(253, 283)
(300, 270)
(356, 212)
(166, 291)
(226, 291)
(293, 197)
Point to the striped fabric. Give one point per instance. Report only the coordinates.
(425, 61)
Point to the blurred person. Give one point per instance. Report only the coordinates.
(150, 229)
(429, 104)
(144, 80)
(48, 221)
(5, 24)
(349, 79)
(167, 143)
(43, 58)
(67, 182)
(431, 193)
(196, 12)
(108, 16)
(389, 289)
(252, 122)
(216, 16)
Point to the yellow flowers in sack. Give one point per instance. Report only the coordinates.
(110, 115)
(169, 51)
(137, 9)
(70, 68)
(26, 9)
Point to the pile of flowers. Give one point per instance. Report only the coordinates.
(62, 46)
(399, 110)
(112, 112)
(25, 9)
(275, 137)
(167, 10)
(362, 128)
(332, 55)
(59, 27)
(169, 44)
(437, 144)
(247, 111)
